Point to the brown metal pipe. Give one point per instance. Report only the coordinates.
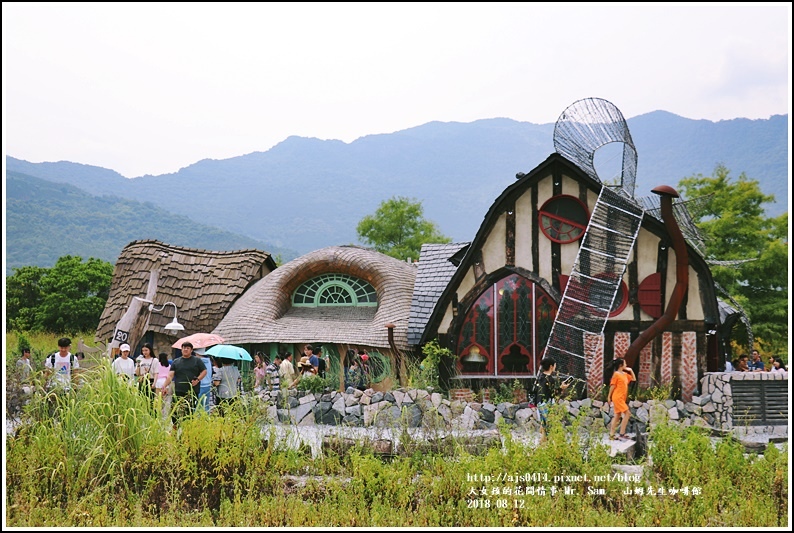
(395, 351)
(667, 194)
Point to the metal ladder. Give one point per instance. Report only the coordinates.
(595, 279)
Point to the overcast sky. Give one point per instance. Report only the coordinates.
(149, 89)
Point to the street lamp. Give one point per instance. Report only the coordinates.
(174, 325)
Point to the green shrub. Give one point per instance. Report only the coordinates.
(312, 383)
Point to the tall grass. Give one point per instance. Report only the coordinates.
(101, 457)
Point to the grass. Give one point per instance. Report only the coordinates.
(101, 458)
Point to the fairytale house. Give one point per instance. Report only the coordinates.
(505, 304)
(202, 285)
(340, 298)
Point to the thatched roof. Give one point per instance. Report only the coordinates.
(265, 314)
(202, 283)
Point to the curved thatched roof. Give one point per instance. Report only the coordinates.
(202, 283)
(265, 314)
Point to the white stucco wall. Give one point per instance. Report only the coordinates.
(524, 231)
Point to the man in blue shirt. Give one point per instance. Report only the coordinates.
(206, 382)
(756, 365)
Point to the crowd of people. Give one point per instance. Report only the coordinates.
(744, 363)
(284, 372)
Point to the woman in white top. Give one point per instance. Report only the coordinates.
(123, 365)
(146, 368)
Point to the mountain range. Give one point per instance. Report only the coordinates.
(306, 193)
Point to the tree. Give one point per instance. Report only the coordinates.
(732, 219)
(67, 298)
(399, 229)
(23, 295)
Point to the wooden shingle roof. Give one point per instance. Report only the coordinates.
(202, 283)
(433, 273)
(265, 314)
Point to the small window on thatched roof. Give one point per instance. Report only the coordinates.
(335, 290)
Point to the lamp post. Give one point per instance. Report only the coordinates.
(130, 327)
(174, 325)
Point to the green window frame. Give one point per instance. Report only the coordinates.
(340, 290)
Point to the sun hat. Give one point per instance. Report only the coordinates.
(304, 361)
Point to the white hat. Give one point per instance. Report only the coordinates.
(124, 348)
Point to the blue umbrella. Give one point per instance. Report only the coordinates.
(228, 351)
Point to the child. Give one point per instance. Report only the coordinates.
(618, 393)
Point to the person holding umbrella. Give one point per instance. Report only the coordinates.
(186, 373)
(227, 379)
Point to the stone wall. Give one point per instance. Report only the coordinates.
(716, 401)
(419, 408)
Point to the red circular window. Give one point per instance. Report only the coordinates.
(621, 297)
(563, 219)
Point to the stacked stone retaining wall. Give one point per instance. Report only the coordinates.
(417, 408)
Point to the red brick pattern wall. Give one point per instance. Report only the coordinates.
(667, 358)
(646, 366)
(689, 364)
(594, 357)
(464, 395)
(622, 342)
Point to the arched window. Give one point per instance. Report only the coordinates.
(506, 329)
(335, 290)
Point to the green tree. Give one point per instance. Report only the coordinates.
(23, 296)
(399, 229)
(732, 219)
(67, 298)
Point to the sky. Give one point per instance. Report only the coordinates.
(152, 88)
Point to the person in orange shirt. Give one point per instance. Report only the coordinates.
(618, 394)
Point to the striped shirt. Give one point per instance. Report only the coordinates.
(273, 378)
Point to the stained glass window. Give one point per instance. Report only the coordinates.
(510, 341)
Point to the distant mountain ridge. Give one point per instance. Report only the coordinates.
(47, 220)
(306, 193)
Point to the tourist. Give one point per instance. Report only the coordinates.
(146, 368)
(272, 374)
(205, 386)
(227, 380)
(757, 365)
(777, 365)
(63, 362)
(366, 375)
(259, 371)
(186, 374)
(354, 375)
(618, 394)
(25, 365)
(123, 365)
(322, 363)
(547, 390)
(289, 377)
(163, 392)
(741, 365)
(305, 367)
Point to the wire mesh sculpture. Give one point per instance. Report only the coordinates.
(589, 124)
(612, 230)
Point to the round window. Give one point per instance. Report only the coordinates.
(563, 219)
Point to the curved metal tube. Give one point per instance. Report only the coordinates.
(667, 194)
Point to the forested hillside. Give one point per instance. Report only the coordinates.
(47, 220)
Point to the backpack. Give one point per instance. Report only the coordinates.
(535, 389)
(52, 359)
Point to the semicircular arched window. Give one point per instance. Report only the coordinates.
(335, 290)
